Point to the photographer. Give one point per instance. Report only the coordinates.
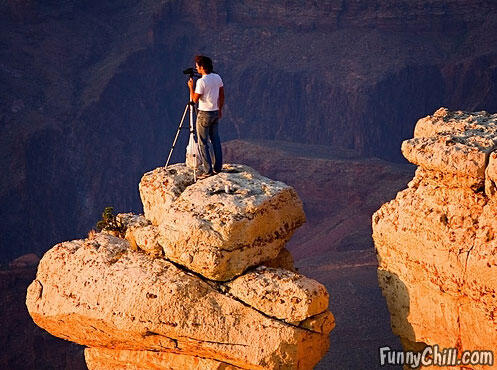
(209, 93)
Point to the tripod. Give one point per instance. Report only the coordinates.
(190, 107)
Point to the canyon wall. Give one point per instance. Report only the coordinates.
(436, 241)
(92, 92)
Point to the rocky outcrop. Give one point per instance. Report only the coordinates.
(436, 241)
(262, 290)
(135, 305)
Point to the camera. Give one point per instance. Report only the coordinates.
(192, 72)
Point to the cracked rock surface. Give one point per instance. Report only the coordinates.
(224, 224)
(269, 289)
(133, 305)
(436, 241)
(455, 143)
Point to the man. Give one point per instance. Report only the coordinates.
(209, 93)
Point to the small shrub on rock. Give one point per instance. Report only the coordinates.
(110, 223)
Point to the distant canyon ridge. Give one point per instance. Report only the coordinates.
(92, 92)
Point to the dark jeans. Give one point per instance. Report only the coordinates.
(207, 128)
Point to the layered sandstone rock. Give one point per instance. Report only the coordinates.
(135, 307)
(222, 225)
(454, 144)
(436, 241)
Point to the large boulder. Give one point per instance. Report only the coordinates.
(157, 297)
(224, 224)
(103, 294)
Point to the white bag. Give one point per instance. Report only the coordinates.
(194, 158)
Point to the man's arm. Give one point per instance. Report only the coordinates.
(220, 101)
(193, 95)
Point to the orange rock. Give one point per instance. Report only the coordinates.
(436, 243)
(111, 359)
(280, 293)
(215, 233)
(101, 293)
(137, 304)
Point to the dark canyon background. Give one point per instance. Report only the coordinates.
(319, 94)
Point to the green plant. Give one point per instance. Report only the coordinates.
(109, 222)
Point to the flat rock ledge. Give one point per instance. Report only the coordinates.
(437, 240)
(137, 302)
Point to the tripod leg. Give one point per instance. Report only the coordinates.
(192, 106)
(177, 134)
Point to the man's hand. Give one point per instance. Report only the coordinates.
(193, 95)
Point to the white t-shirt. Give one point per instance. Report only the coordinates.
(208, 86)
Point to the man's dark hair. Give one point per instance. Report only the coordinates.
(205, 62)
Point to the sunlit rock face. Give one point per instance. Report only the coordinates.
(135, 300)
(436, 241)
